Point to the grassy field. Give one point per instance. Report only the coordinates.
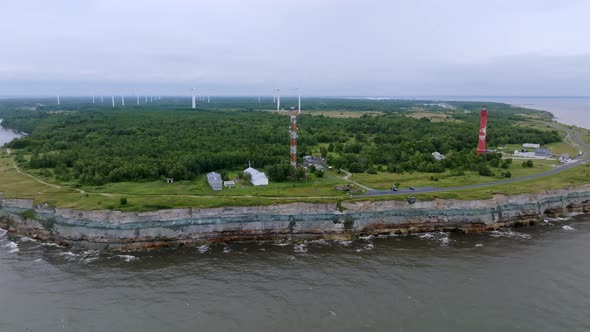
(317, 187)
(433, 116)
(383, 180)
(159, 195)
(575, 176)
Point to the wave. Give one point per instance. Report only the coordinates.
(509, 234)
(127, 258)
(300, 248)
(12, 246)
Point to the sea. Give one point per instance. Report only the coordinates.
(523, 279)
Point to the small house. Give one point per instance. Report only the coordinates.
(317, 162)
(229, 184)
(542, 152)
(257, 178)
(438, 156)
(564, 158)
(215, 181)
(170, 180)
(531, 146)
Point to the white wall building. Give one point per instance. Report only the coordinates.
(531, 145)
(258, 178)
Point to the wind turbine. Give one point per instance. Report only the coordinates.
(194, 104)
(298, 100)
(58, 102)
(136, 95)
(113, 100)
(278, 100)
(122, 101)
(93, 99)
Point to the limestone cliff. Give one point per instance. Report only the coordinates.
(106, 229)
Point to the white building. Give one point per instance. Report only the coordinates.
(531, 146)
(258, 178)
(438, 156)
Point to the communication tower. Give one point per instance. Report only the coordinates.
(483, 129)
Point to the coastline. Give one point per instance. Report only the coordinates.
(115, 230)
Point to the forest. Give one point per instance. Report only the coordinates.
(96, 145)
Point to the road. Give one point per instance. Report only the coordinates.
(584, 158)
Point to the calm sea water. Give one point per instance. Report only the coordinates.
(573, 111)
(527, 279)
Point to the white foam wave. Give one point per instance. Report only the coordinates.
(320, 242)
(344, 243)
(68, 255)
(203, 249)
(90, 259)
(51, 244)
(3, 232)
(441, 237)
(127, 258)
(226, 250)
(300, 248)
(26, 239)
(509, 234)
(366, 238)
(12, 246)
(281, 243)
(568, 228)
(479, 245)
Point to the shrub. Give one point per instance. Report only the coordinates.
(123, 200)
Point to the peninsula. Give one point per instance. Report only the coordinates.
(157, 174)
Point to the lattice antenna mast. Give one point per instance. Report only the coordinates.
(483, 129)
(293, 128)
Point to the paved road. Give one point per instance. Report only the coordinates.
(584, 158)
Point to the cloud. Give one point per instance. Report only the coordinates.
(331, 47)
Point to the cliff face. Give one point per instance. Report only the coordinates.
(106, 229)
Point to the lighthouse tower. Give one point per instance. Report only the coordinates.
(483, 129)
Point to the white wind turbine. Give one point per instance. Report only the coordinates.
(194, 104)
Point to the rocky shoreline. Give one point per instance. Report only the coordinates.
(116, 230)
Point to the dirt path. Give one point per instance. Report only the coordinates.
(347, 178)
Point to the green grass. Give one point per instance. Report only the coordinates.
(158, 195)
(578, 175)
(384, 180)
(315, 187)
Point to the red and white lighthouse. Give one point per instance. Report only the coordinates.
(483, 129)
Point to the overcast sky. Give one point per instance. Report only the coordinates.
(331, 47)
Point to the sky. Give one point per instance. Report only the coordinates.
(323, 47)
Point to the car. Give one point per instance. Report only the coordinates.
(412, 188)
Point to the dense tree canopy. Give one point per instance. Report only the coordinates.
(95, 146)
